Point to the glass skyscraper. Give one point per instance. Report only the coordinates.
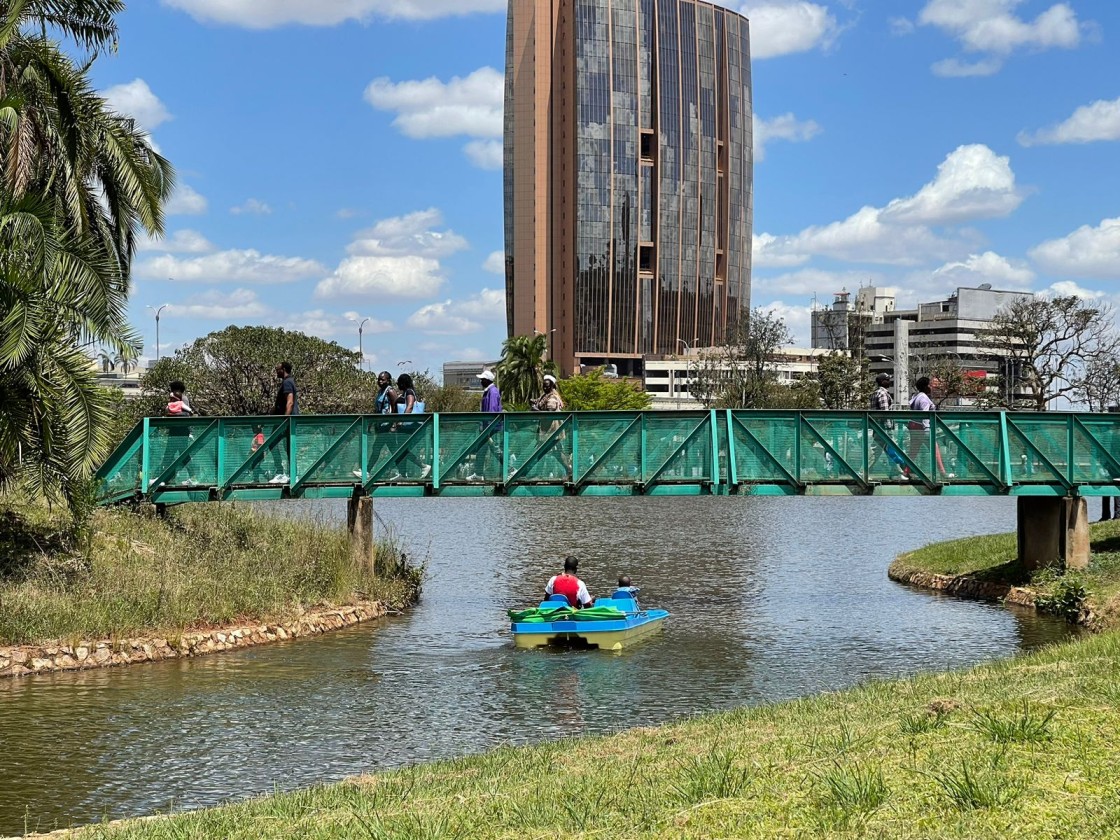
(628, 176)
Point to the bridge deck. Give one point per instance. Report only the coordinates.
(177, 460)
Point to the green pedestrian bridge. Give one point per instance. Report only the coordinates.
(175, 460)
(1050, 461)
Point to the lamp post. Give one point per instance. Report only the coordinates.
(688, 377)
(158, 311)
(361, 353)
(549, 334)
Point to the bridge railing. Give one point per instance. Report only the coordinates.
(173, 460)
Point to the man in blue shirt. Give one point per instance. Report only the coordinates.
(287, 405)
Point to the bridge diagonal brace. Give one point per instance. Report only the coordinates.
(790, 477)
(1111, 460)
(700, 427)
(1050, 465)
(402, 450)
(281, 431)
(133, 443)
(483, 437)
(594, 465)
(885, 438)
(182, 457)
(956, 439)
(543, 448)
(331, 450)
(831, 450)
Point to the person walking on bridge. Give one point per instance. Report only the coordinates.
(287, 405)
(491, 404)
(881, 400)
(568, 584)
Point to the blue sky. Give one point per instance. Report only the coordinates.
(341, 159)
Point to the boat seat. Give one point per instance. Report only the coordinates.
(619, 594)
(560, 598)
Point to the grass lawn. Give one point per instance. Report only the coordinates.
(1020, 748)
(130, 574)
(1096, 589)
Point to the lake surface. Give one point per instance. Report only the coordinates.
(770, 599)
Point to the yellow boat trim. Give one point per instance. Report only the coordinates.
(609, 640)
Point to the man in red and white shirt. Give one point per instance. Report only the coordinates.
(570, 586)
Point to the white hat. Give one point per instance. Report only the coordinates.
(548, 377)
(487, 374)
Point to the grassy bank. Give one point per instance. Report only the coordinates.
(1019, 748)
(1094, 591)
(128, 574)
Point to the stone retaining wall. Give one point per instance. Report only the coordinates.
(963, 586)
(23, 660)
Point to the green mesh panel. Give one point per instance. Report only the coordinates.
(328, 450)
(1102, 439)
(970, 445)
(124, 477)
(192, 443)
(835, 452)
(471, 446)
(764, 447)
(678, 449)
(1047, 455)
(536, 453)
(610, 448)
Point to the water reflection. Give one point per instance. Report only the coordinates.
(771, 599)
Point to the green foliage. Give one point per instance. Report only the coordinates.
(844, 382)
(78, 185)
(977, 785)
(443, 398)
(715, 775)
(1065, 598)
(1029, 725)
(591, 391)
(522, 368)
(920, 724)
(852, 793)
(232, 372)
(110, 573)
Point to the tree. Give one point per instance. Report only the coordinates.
(522, 368)
(593, 392)
(78, 184)
(741, 373)
(232, 372)
(443, 398)
(1050, 342)
(949, 380)
(1099, 387)
(843, 381)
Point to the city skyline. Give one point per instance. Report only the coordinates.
(922, 147)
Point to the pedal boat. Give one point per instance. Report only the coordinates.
(612, 624)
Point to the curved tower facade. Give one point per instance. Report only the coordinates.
(628, 176)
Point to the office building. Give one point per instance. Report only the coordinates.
(628, 176)
(842, 325)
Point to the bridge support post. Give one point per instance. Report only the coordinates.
(359, 518)
(1053, 531)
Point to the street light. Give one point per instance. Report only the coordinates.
(549, 334)
(361, 353)
(405, 362)
(688, 377)
(158, 311)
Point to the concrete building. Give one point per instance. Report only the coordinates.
(843, 325)
(628, 176)
(465, 374)
(907, 343)
(667, 380)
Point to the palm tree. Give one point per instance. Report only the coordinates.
(522, 368)
(77, 184)
(107, 362)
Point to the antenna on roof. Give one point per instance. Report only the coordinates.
(987, 287)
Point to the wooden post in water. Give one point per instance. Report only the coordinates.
(359, 518)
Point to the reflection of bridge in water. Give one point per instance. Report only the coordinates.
(1051, 461)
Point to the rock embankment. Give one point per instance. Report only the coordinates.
(962, 586)
(24, 660)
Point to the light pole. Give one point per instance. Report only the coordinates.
(158, 312)
(361, 352)
(688, 368)
(549, 334)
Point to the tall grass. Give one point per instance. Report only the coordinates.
(132, 574)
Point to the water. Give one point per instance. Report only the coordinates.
(771, 599)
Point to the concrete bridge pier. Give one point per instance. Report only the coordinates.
(359, 519)
(1053, 531)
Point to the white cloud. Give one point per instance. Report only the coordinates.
(810, 281)
(263, 14)
(495, 263)
(798, 319)
(238, 305)
(375, 278)
(185, 201)
(1089, 123)
(990, 27)
(1087, 252)
(972, 183)
(330, 324)
(252, 207)
(781, 27)
(1067, 288)
(135, 99)
(485, 154)
(409, 235)
(986, 267)
(901, 26)
(460, 317)
(244, 266)
(470, 105)
(785, 127)
(180, 242)
(954, 68)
